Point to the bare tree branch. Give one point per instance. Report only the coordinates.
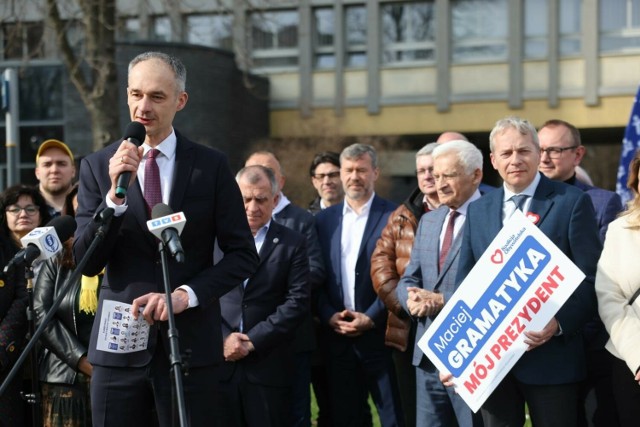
(91, 66)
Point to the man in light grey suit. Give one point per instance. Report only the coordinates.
(430, 278)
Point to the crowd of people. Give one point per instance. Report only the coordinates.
(274, 300)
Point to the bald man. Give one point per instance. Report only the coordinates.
(450, 136)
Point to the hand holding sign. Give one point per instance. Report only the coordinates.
(537, 338)
(504, 307)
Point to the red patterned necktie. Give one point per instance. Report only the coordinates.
(425, 207)
(448, 239)
(152, 190)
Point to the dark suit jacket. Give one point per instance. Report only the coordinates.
(567, 218)
(330, 299)
(205, 190)
(272, 304)
(607, 205)
(303, 222)
(422, 270)
(13, 310)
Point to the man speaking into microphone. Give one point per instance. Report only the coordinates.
(190, 178)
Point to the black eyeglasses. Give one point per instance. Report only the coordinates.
(322, 176)
(556, 152)
(30, 210)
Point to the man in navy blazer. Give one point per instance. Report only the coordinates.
(127, 387)
(302, 221)
(261, 316)
(358, 360)
(562, 151)
(547, 376)
(429, 280)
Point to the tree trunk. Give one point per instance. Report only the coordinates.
(105, 120)
(92, 68)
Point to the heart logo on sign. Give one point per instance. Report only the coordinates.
(533, 217)
(496, 258)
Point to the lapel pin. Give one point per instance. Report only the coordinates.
(275, 240)
(533, 217)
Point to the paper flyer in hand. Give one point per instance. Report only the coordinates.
(119, 332)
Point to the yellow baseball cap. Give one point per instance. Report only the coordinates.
(53, 143)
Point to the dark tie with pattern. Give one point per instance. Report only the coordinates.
(152, 190)
(448, 238)
(425, 207)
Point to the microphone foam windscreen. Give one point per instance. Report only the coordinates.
(160, 210)
(136, 131)
(64, 225)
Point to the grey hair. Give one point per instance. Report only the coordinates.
(427, 149)
(468, 154)
(355, 151)
(254, 175)
(512, 122)
(176, 65)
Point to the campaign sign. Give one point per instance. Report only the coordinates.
(517, 285)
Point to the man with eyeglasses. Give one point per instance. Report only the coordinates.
(388, 262)
(325, 177)
(429, 279)
(561, 152)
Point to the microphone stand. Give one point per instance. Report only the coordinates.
(104, 219)
(32, 398)
(172, 333)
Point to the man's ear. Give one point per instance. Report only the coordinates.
(493, 162)
(477, 176)
(182, 101)
(581, 150)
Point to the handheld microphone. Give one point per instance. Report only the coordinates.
(44, 242)
(135, 133)
(167, 226)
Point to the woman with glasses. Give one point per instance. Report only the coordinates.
(22, 209)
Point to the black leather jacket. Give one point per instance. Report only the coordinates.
(62, 347)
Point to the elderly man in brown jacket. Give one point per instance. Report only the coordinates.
(388, 263)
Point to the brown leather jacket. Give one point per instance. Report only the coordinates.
(388, 262)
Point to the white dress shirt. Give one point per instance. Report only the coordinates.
(459, 221)
(166, 161)
(353, 225)
(508, 205)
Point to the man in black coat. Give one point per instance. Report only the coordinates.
(126, 387)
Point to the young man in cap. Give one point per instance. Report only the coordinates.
(55, 170)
